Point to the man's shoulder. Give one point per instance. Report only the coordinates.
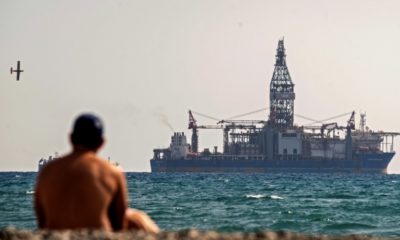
(50, 166)
(108, 166)
(88, 163)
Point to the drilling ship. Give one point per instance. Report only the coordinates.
(277, 144)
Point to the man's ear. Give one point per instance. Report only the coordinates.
(103, 141)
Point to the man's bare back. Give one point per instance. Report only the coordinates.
(80, 190)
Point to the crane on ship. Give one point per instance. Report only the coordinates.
(226, 125)
(194, 127)
(334, 126)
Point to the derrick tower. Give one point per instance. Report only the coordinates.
(281, 92)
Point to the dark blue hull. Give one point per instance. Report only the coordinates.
(361, 163)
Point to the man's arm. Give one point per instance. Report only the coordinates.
(139, 220)
(119, 204)
(39, 211)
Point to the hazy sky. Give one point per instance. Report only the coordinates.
(142, 64)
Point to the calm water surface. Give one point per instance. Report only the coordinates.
(306, 203)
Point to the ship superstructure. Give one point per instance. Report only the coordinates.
(277, 144)
(43, 161)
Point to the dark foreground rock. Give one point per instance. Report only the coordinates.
(14, 234)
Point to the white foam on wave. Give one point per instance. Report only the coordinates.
(257, 196)
(276, 197)
(30, 192)
(223, 179)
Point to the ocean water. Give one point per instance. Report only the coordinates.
(305, 203)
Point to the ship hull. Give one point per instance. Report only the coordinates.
(361, 163)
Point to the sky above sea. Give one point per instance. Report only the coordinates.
(141, 65)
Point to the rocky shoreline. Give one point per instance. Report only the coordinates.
(18, 234)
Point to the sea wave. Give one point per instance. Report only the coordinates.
(312, 203)
(258, 196)
(276, 197)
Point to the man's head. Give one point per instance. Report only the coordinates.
(87, 132)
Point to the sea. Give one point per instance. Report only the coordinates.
(332, 204)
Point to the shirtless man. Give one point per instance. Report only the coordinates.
(81, 190)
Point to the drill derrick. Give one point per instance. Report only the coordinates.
(281, 92)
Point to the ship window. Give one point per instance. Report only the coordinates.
(295, 151)
(284, 151)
